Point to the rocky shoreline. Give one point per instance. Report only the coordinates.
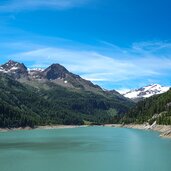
(165, 130)
(60, 126)
(42, 127)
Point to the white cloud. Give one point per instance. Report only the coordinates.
(94, 66)
(107, 65)
(18, 5)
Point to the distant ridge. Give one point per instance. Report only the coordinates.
(55, 73)
(146, 91)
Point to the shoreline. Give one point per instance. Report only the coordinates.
(46, 127)
(59, 126)
(164, 130)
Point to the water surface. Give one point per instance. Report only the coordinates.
(84, 149)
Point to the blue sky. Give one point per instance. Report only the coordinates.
(118, 44)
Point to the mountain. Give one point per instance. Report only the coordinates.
(153, 109)
(15, 69)
(54, 96)
(145, 92)
(55, 73)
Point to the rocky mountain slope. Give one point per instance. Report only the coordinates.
(14, 69)
(55, 73)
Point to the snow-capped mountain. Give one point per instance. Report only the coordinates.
(55, 73)
(15, 69)
(146, 91)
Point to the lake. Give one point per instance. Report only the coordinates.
(84, 149)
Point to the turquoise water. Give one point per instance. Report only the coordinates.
(84, 149)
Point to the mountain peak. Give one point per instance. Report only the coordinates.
(147, 91)
(12, 63)
(55, 71)
(15, 69)
(58, 67)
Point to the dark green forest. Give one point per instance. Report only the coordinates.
(156, 108)
(34, 103)
(23, 105)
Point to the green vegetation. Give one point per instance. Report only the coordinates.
(24, 105)
(156, 108)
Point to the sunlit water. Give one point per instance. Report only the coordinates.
(84, 149)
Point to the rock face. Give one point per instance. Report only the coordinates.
(55, 73)
(14, 69)
(146, 91)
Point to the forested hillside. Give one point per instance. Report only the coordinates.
(156, 108)
(24, 105)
